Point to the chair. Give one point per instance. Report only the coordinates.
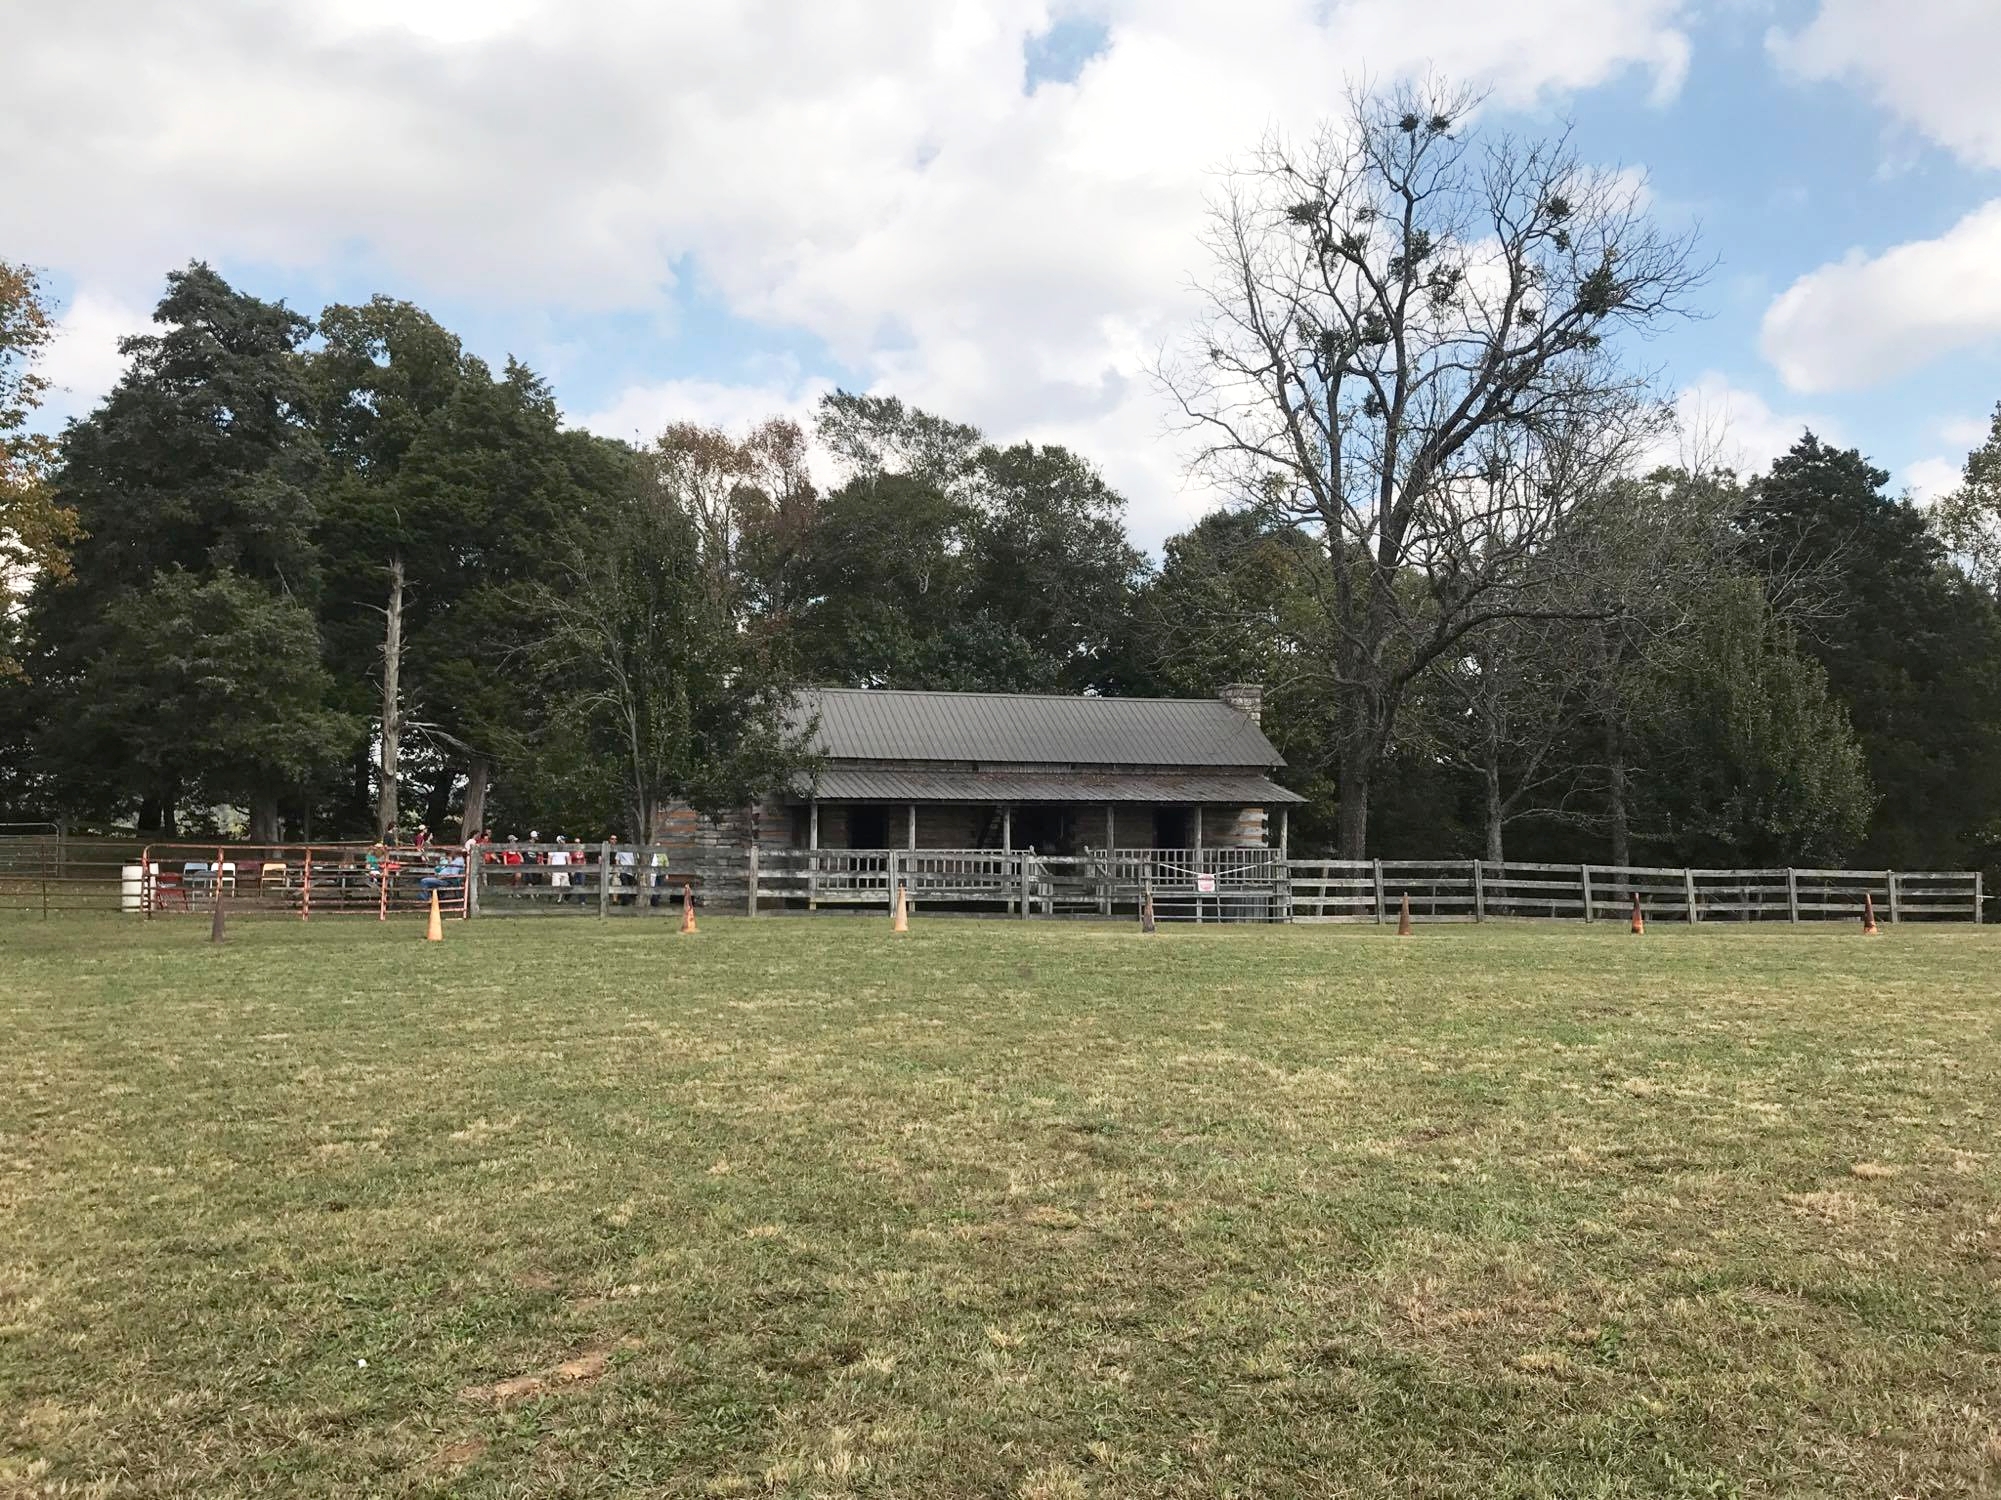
(272, 879)
(167, 889)
(226, 874)
(199, 877)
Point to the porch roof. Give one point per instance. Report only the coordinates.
(871, 784)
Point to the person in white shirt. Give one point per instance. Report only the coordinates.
(559, 859)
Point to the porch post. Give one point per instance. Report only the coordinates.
(1007, 842)
(1198, 862)
(812, 853)
(1284, 830)
(1111, 843)
(911, 843)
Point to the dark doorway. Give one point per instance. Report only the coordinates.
(1046, 830)
(868, 828)
(1173, 828)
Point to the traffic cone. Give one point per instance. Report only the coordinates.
(902, 922)
(434, 930)
(1639, 922)
(1403, 915)
(687, 907)
(215, 923)
(1868, 915)
(1146, 921)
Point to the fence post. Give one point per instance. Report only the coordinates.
(1896, 898)
(1024, 885)
(1979, 916)
(1479, 891)
(475, 872)
(750, 880)
(306, 889)
(1688, 885)
(1379, 892)
(1792, 894)
(604, 880)
(1584, 875)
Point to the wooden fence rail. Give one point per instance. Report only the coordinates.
(1475, 890)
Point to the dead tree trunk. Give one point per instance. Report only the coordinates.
(478, 774)
(392, 706)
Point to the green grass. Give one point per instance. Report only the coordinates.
(789, 1208)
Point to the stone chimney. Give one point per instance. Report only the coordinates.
(1247, 698)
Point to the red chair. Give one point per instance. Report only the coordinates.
(169, 890)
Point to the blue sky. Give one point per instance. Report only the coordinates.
(990, 207)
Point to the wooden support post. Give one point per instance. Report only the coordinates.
(1896, 899)
(604, 880)
(305, 890)
(1198, 862)
(892, 857)
(1688, 888)
(1284, 831)
(1007, 840)
(911, 841)
(1111, 843)
(1584, 874)
(750, 877)
(1024, 885)
(1479, 891)
(1792, 895)
(1378, 866)
(1978, 914)
(812, 854)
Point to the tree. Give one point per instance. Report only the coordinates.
(35, 531)
(1910, 645)
(214, 688)
(199, 460)
(648, 665)
(454, 477)
(1752, 760)
(1968, 519)
(1407, 349)
(947, 562)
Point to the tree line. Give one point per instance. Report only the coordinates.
(337, 575)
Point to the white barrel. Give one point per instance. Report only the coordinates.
(131, 878)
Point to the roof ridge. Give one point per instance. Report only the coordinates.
(991, 693)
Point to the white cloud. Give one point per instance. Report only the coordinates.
(82, 360)
(868, 172)
(1724, 425)
(640, 413)
(1929, 62)
(1861, 321)
(1929, 478)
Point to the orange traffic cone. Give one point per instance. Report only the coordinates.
(1146, 921)
(1639, 922)
(435, 931)
(902, 922)
(687, 907)
(1868, 915)
(1403, 916)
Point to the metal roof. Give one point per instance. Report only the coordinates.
(855, 784)
(1016, 729)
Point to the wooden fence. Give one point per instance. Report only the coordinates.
(1474, 890)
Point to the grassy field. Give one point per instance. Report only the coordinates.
(788, 1208)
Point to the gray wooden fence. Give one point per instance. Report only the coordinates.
(1475, 890)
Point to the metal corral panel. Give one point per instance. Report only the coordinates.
(880, 724)
(837, 783)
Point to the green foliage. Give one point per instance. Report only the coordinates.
(214, 689)
(1749, 759)
(1910, 645)
(648, 667)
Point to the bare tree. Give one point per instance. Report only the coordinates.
(1406, 347)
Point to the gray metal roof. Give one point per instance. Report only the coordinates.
(858, 784)
(1015, 729)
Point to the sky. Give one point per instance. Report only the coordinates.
(716, 210)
